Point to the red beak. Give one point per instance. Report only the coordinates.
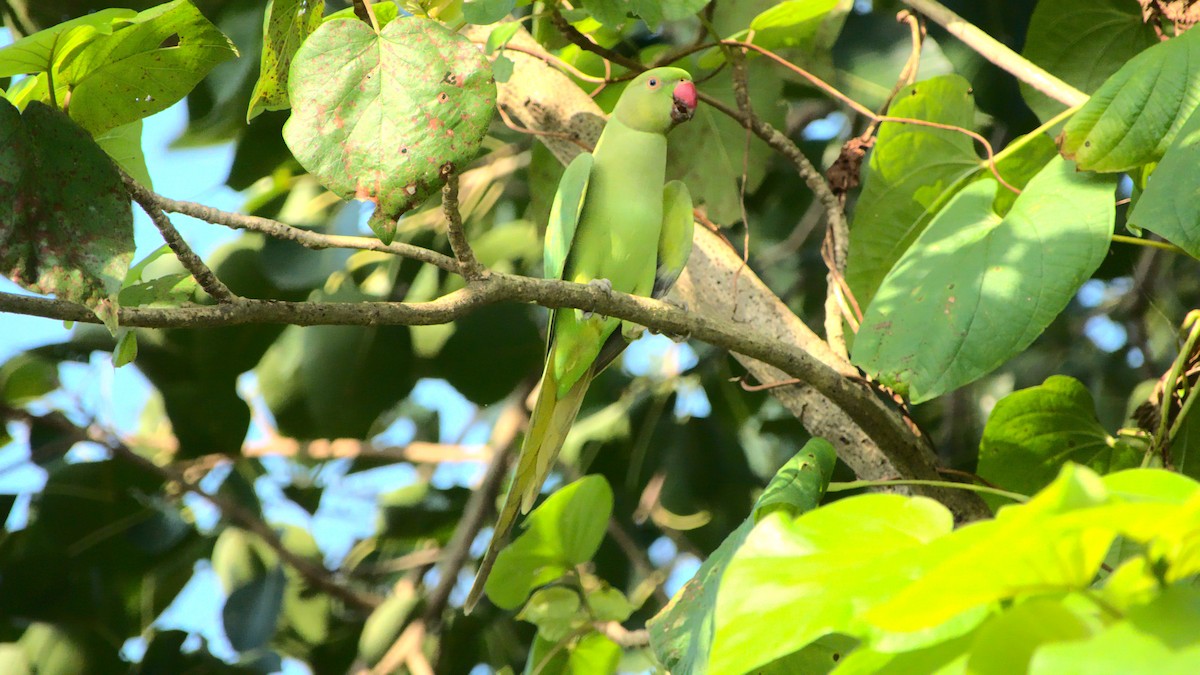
(685, 102)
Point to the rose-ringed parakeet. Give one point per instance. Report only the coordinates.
(615, 223)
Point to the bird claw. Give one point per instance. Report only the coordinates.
(681, 305)
(604, 286)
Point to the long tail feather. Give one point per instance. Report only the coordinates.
(549, 423)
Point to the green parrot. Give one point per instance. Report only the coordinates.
(613, 224)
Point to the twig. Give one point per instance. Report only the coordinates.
(314, 573)
(992, 50)
(478, 507)
(187, 257)
(402, 650)
(625, 638)
(580, 40)
(306, 238)
(468, 266)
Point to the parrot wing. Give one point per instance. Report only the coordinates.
(675, 240)
(564, 215)
(674, 248)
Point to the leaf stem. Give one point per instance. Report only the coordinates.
(1025, 139)
(859, 484)
(1149, 243)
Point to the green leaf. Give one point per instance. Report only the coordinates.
(976, 289)
(609, 604)
(1044, 545)
(13, 659)
(484, 12)
(795, 24)
(681, 634)
(1135, 115)
(910, 170)
(126, 349)
(594, 654)
(1082, 42)
(564, 531)
(124, 145)
(502, 69)
(385, 623)
(1031, 433)
(500, 36)
(1006, 642)
(377, 116)
(1165, 633)
(252, 610)
(144, 67)
(832, 562)
(1168, 205)
(555, 611)
(45, 50)
(287, 24)
(69, 231)
(800, 484)
(27, 376)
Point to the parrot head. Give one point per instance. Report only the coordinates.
(657, 100)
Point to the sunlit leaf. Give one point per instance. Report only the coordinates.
(145, 67)
(1136, 114)
(976, 289)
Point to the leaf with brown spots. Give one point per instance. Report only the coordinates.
(289, 22)
(375, 116)
(68, 230)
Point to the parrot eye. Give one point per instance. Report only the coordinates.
(653, 83)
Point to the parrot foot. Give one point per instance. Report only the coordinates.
(681, 305)
(631, 331)
(605, 286)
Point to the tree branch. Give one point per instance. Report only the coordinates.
(314, 573)
(476, 511)
(306, 238)
(467, 264)
(187, 257)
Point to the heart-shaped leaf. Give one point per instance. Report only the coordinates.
(378, 116)
(1033, 432)
(911, 168)
(976, 288)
